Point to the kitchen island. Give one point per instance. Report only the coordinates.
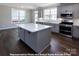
(36, 36)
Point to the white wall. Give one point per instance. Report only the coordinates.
(5, 15)
(32, 16)
(28, 16)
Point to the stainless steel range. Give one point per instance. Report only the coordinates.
(66, 28)
(66, 25)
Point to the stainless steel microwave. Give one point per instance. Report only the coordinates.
(67, 15)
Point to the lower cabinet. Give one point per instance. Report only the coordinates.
(76, 31)
(55, 27)
(31, 40)
(21, 33)
(38, 41)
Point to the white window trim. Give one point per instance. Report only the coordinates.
(17, 20)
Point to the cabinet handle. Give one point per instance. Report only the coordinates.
(29, 32)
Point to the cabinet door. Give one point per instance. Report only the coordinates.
(55, 28)
(76, 32)
(21, 33)
(31, 40)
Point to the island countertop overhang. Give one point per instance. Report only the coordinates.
(33, 27)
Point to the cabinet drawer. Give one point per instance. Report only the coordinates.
(76, 32)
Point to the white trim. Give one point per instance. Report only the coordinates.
(44, 48)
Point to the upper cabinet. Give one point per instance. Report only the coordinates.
(76, 31)
(74, 8)
(65, 9)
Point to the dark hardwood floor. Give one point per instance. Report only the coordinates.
(58, 45)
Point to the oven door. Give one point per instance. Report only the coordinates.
(65, 29)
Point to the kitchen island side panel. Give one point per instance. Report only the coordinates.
(31, 39)
(43, 39)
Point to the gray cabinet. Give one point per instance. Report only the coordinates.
(21, 33)
(31, 40)
(55, 27)
(39, 22)
(38, 41)
(76, 31)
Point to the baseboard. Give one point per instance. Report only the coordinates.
(44, 49)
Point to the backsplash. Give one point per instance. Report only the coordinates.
(52, 21)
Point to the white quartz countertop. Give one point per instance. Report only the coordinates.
(33, 27)
(7, 26)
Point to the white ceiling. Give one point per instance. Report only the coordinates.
(29, 5)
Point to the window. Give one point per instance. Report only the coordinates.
(18, 16)
(46, 14)
(53, 14)
(36, 15)
(50, 14)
